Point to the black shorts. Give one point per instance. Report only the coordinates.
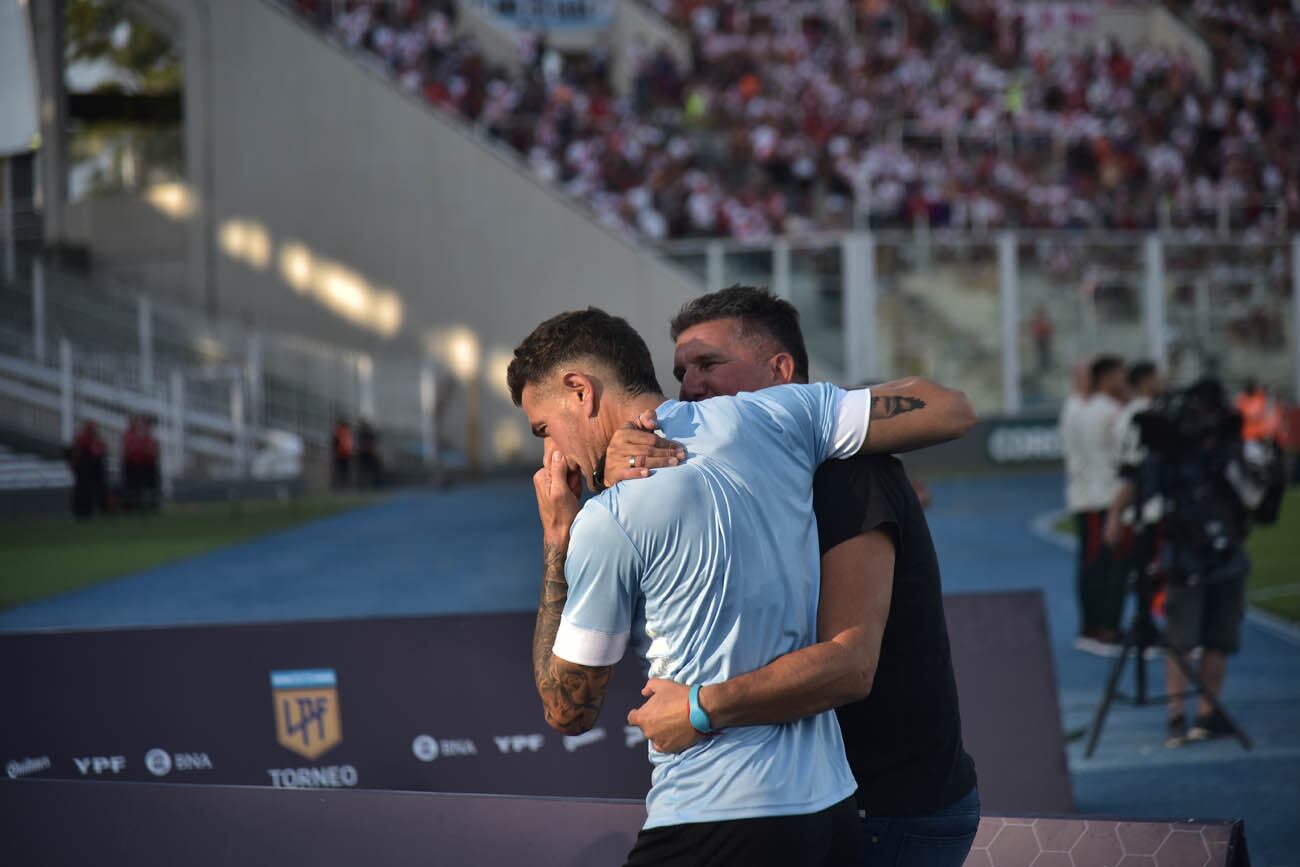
(1206, 615)
(823, 839)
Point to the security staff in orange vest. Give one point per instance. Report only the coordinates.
(1259, 415)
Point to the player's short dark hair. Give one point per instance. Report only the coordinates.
(590, 333)
(759, 312)
(1102, 367)
(1140, 372)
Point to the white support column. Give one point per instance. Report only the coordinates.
(870, 324)
(921, 237)
(1153, 308)
(781, 269)
(7, 210)
(366, 387)
(178, 422)
(1295, 309)
(38, 311)
(65, 391)
(428, 403)
(1088, 316)
(714, 263)
(858, 270)
(48, 32)
(1009, 305)
(237, 426)
(166, 434)
(253, 375)
(144, 332)
(1201, 302)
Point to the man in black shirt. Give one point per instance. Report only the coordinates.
(903, 740)
(881, 626)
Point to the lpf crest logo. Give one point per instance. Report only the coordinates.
(306, 710)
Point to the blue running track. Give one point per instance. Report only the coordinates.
(476, 550)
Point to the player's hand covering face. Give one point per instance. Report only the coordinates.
(558, 487)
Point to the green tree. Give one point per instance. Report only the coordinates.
(145, 60)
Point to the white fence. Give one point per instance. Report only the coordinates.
(551, 14)
(230, 400)
(1004, 316)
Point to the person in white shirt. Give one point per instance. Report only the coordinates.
(1072, 418)
(1096, 478)
(1071, 414)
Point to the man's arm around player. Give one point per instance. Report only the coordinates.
(856, 585)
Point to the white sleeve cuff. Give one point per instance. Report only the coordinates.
(589, 647)
(852, 418)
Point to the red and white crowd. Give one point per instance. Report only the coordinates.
(812, 114)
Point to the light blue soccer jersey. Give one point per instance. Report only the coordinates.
(714, 567)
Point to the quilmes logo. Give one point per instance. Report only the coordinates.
(24, 767)
(306, 705)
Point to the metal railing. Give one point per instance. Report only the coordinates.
(76, 348)
(1004, 315)
(550, 14)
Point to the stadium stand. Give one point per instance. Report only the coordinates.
(814, 115)
(104, 353)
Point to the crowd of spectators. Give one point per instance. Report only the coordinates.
(813, 114)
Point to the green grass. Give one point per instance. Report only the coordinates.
(1274, 552)
(54, 555)
(1275, 560)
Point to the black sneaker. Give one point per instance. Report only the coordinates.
(1176, 730)
(1212, 725)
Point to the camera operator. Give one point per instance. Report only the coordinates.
(1145, 385)
(1194, 481)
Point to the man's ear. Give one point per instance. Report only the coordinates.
(580, 388)
(781, 367)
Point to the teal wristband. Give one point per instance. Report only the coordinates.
(699, 719)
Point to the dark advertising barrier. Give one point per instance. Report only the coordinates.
(1029, 441)
(147, 825)
(432, 704)
(1010, 713)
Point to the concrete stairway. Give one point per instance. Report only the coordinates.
(20, 471)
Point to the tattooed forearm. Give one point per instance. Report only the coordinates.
(890, 406)
(571, 694)
(555, 592)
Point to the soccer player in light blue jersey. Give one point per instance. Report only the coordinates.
(709, 569)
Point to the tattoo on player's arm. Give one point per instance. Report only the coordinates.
(571, 694)
(891, 406)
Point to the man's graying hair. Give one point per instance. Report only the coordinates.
(590, 333)
(760, 314)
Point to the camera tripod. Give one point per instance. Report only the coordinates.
(1143, 633)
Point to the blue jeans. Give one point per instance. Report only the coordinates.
(941, 839)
